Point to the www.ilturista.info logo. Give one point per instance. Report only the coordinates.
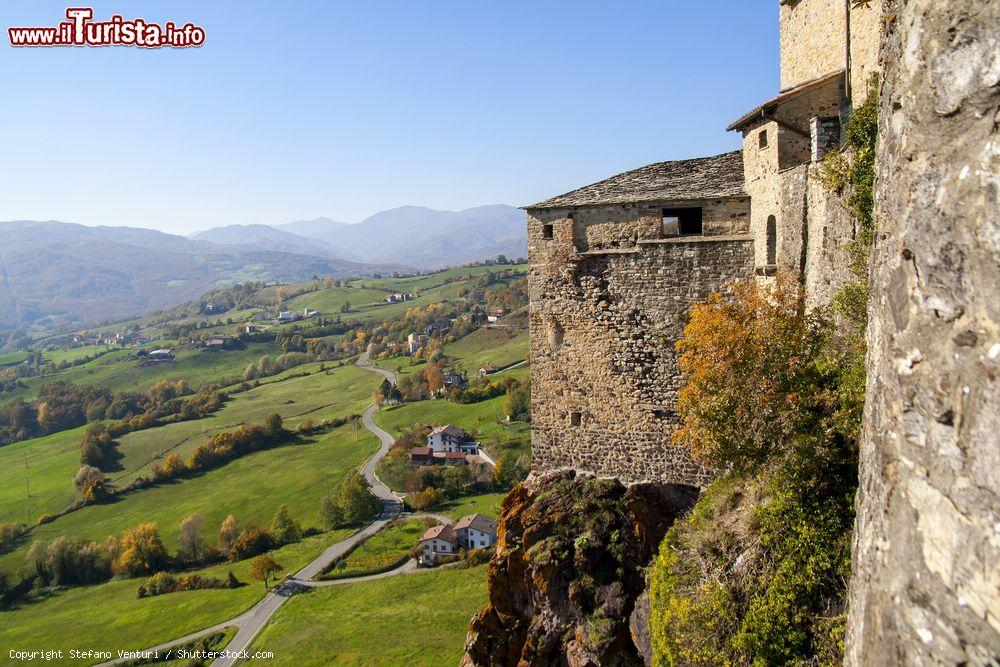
(80, 30)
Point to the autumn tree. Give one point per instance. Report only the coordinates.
(251, 542)
(91, 483)
(173, 465)
(191, 541)
(427, 498)
(227, 534)
(141, 551)
(263, 567)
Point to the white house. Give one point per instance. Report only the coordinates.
(415, 341)
(476, 531)
(437, 542)
(309, 312)
(449, 439)
(285, 316)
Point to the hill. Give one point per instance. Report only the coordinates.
(55, 274)
(433, 239)
(273, 239)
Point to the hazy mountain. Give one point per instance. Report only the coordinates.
(425, 237)
(59, 274)
(272, 238)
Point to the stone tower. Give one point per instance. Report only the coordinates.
(616, 265)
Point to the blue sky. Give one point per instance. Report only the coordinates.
(295, 110)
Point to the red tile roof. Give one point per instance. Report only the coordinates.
(441, 532)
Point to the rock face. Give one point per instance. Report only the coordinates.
(926, 583)
(571, 556)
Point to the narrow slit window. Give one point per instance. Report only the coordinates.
(772, 241)
(575, 418)
(762, 139)
(547, 232)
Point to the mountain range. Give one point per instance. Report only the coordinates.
(56, 275)
(413, 235)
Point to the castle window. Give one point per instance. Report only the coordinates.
(575, 418)
(547, 232)
(762, 139)
(772, 240)
(682, 221)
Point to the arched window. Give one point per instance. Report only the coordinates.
(772, 240)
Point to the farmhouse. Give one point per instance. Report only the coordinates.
(414, 342)
(450, 439)
(475, 531)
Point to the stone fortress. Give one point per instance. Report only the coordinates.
(616, 265)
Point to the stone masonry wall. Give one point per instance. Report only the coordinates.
(813, 39)
(603, 327)
(926, 583)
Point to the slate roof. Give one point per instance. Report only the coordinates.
(701, 178)
(479, 522)
(759, 112)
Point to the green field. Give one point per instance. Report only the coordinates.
(383, 550)
(11, 358)
(250, 488)
(111, 617)
(487, 503)
(330, 299)
(489, 347)
(53, 460)
(415, 619)
(71, 354)
(483, 416)
(119, 372)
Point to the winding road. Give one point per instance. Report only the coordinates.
(251, 622)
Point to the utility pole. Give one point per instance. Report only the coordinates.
(27, 491)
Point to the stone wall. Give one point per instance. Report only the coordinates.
(788, 147)
(604, 323)
(926, 583)
(866, 39)
(813, 37)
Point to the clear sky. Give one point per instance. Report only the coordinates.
(294, 110)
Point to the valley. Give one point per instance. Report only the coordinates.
(319, 394)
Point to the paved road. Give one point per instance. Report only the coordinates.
(262, 612)
(251, 622)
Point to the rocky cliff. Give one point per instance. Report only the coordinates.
(571, 564)
(926, 581)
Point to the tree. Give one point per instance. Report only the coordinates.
(173, 465)
(251, 542)
(91, 483)
(346, 307)
(191, 541)
(435, 378)
(427, 498)
(274, 425)
(262, 567)
(510, 470)
(284, 528)
(227, 534)
(350, 503)
(141, 551)
(517, 404)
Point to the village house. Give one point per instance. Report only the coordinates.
(439, 326)
(160, 355)
(286, 316)
(495, 314)
(248, 328)
(474, 531)
(437, 542)
(414, 342)
(309, 312)
(453, 378)
(450, 439)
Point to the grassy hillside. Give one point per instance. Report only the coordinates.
(489, 347)
(111, 617)
(250, 488)
(417, 619)
(53, 460)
